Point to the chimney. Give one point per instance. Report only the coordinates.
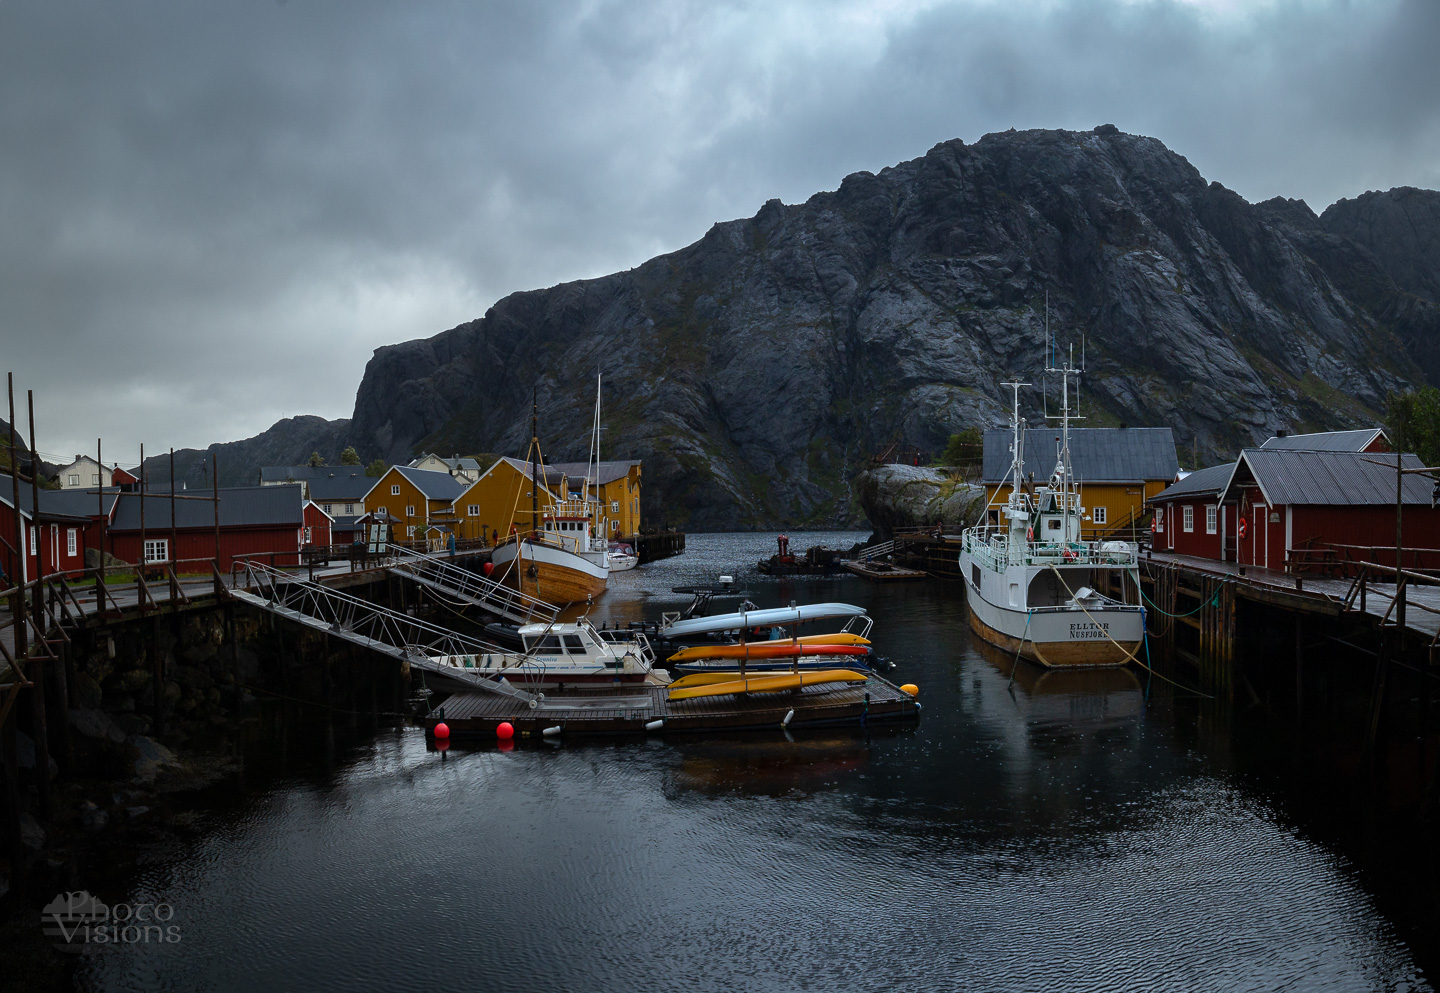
(1281, 433)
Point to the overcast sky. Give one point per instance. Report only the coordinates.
(211, 213)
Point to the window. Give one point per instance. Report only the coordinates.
(1160, 519)
(329, 508)
(1189, 521)
(379, 510)
(409, 510)
(1098, 515)
(307, 536)
(1211, 511)
(473, 510)
(614, 525)
(71, 542)
(410, 531)
(157, 549)
(73, 479)
(349, 508)
(34, 541)
(615, 507)
(95, 479)
(395, 489)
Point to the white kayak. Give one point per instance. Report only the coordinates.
(769, 617)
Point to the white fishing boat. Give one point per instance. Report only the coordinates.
(622, 557)
(561, 655)
(1031, 581)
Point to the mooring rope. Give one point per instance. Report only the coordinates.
(1144, 640)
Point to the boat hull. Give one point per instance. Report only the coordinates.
(1058, 654)
(553, 574)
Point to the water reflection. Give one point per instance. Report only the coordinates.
(1053, 832)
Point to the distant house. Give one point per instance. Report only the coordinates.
(1117, 469)
(465, 469)
(125, 479)
(1191, 520)
(1358, 440)
(318, 525)
(84, 473)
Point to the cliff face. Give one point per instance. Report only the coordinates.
(757, 370)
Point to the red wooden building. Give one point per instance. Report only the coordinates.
(1191, 520)
(267, 522)
(53, 539)
(318, 525)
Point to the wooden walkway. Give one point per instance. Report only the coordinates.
(1319, 594)
(628, 711)
(882, 571)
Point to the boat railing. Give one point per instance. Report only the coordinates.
(990, 543)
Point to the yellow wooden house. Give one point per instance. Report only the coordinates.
(501, 498)
(417, 498)
(617, 485)
(1117, 469)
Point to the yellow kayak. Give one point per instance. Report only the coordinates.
(773, 683)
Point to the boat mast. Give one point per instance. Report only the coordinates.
(534, 466)
(1065, 371)
(594, 460)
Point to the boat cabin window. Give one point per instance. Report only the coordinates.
(1053, 524)
(550, 643)
(574, 645)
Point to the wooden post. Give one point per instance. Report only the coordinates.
(215, 495)
(140, 572)
(100, 509)
(38, 720)
(174, 541)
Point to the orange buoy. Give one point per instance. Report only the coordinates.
(442, 731)
(505, 731)
(910, 688)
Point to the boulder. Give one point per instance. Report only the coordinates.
(151, 758)
(901, 496)
(96, 725)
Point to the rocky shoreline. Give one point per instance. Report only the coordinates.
(900, 497)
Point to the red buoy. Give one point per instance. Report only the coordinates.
(442, 730)
(488, 568)
(505, 731)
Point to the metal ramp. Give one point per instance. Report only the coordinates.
(369, 625)
(445, 577)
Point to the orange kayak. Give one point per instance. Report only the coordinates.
(770, 683)
(766, 650)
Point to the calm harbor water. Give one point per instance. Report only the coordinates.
(1058, 833)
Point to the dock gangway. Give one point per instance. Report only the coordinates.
(438, 573)
(369, 625)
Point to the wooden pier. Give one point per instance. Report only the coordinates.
(882, 572)
(658, 545)
(629, 711)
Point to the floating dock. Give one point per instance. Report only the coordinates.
(635, 711)
(882, 571)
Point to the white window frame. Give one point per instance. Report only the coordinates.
(160, 547)
(349, 509)
(409, 510)
(410, 531)
(34, 541)
(1159, 520)
(95, 479)
(74, 479)
(1212, 515)
(381, 510)
(307, 535)
(473, 510)
(615, 506)
(72, 542)
(1188, 518)
(329, 508)
(1098, 514)
(394, 489)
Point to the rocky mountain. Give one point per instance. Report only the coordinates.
(287, 442)
(757, 370)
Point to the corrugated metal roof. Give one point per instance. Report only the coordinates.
(1326, 441)
(436, 485)
(550, 477)
(301, 473)
(1330, 478)
(342, 487)
(606, 472)
(240, 506)
(53, 503)
(1201, 482)
(1099, 455)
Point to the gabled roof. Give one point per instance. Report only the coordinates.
(51, 509)
(1200, 483)
(341, 486)
(460, 462)
(436, 485)
(240, 506)
(1328, 478)
(1098, 455)
(605, 472)
(1328, 441)
(550, 478)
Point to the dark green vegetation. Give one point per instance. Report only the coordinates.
(1412, 420)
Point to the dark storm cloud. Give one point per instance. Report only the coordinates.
(213, 213)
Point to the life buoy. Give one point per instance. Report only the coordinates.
(1029, 534)
(1244, 527)
(1069, 555)
(1154, 526)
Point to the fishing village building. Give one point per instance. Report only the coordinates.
(1294, 493)
(417, 498)
(465, 469)
(616, 486)
(83, 473)
(53, 540)
(1117, 470)
(501, 499)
